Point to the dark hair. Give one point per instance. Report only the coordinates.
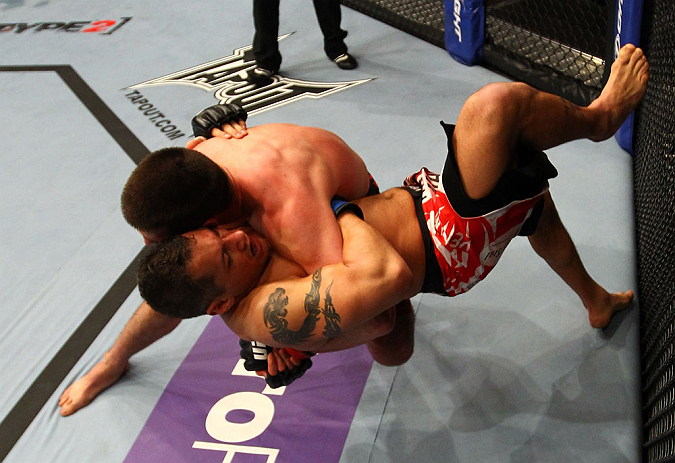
(174, 190)
(164, 283)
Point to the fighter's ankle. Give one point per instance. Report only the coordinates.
(599, 117)
(113, 362)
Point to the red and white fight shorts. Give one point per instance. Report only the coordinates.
(469, 236)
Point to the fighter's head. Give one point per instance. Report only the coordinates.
(174, 190)
(206, 271)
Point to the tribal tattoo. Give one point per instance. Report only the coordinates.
(332, 328)
(275, 312)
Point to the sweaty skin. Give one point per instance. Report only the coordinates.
(285, 176)
(490, 123)
(563, 121)
(285, 187)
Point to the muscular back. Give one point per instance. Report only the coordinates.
(286, 175)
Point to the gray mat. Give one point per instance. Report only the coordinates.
(508, 372)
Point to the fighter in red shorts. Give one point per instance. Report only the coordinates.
(493, 187)
(385, 260)
(468, 236)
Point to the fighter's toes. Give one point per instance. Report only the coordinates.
(626, 52)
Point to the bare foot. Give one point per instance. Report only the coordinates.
(600, 314)
(84, 390)
(625, 87)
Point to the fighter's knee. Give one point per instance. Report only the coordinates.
(499, 101)
(396, 356)
(386, 321)
(502, 92)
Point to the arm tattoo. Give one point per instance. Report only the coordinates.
(275, 311)
(332, 317)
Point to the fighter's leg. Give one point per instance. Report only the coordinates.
(552, 242)
(500, 115)
(550, 121)
(389, 336)
(143, 328)
(396, 347)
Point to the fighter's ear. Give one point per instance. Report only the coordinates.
(220, 306)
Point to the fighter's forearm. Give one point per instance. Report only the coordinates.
(143, 328)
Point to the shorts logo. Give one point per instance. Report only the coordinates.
(226, 77)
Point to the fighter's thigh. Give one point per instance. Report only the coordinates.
(487, 130)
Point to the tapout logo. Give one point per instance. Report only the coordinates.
(154, 115)
(226, 78)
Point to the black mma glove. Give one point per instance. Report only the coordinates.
(286, 377)
(254, 355)
(214, 117)
(255, 359)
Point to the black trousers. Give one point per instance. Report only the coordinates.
(266, 21)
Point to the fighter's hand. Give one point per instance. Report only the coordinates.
(254, 355)
(280, 367)
(279, 360)
(283, 368)
(222, 120)
(231, 130)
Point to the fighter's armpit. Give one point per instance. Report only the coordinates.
(275, 314)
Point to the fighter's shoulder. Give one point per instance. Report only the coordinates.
(289, 129)
(274, 126)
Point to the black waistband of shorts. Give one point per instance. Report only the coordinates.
(528, 179)
(433, 277)
(373, 188)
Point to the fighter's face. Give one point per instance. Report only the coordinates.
(235, 258)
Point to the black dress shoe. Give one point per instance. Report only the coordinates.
(260, 76)
(346, 61)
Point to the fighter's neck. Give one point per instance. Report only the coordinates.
(279, 268)
(242, 204)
